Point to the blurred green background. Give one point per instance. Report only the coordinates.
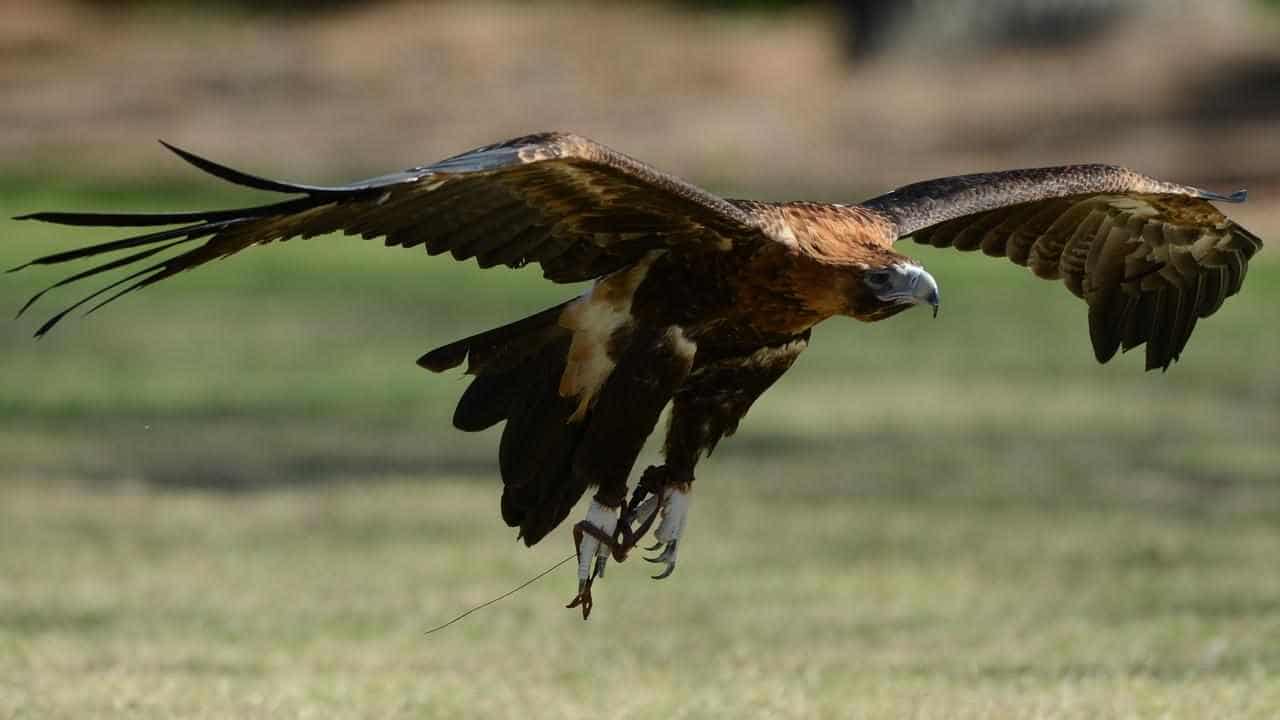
(234, 494)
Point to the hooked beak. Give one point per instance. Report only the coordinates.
(926, 291)
(915, 286)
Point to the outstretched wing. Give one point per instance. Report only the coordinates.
(578, 208)
(1148, 257)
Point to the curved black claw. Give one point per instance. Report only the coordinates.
(582, 599)
(668, 557)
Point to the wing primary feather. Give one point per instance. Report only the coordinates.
(1213, 291)
(1125, 326)
(191, 231)
(237, 177)
(1104, 334)
(177, 218)
(1158, 330)
(155, 277)
(101, 269)
(48, 324)
(1186, 319)
(121, 219)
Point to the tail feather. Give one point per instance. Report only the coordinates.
(537, 450)
(487, 400)
(517, 370)
(499, 349)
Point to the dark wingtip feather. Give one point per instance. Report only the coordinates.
(98, 269)
(237, 177)
(136, 286)
(1105, 336)
(94, 219)
(48, 324)
(1103, 352)
(30, 301)
(1156, 362)
(123, 244)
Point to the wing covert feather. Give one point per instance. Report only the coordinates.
(578, 208)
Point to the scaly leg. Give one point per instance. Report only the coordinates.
(675, 514)
(593, 540)
(668, 496)
(602, 533)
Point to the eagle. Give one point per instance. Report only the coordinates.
(696, 301)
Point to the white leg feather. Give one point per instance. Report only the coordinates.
(675, 514)
(605, 518)
(593, 555)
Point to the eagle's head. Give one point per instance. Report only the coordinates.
(884, 289)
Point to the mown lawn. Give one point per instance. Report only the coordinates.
(235, 495)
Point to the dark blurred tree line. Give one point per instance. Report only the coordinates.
(871, 27)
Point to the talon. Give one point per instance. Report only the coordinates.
(634, 524)
(609, 531)
(582, 599)
(668, 556)
(643, 511)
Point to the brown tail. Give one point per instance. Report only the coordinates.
(517, 371)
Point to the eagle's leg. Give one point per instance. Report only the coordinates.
(675, 513)
(612, 531)
(661, 496)
(639, 387)
(707, 407)
(671, 496)
(593, 541)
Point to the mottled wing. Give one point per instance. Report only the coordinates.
(1149, 258)
(578, 208)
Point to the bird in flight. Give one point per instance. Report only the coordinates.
(696, 301)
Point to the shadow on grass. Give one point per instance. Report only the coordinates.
(1223, 666)
(1159, 471)
(31, 620)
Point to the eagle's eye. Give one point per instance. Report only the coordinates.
(878, 279)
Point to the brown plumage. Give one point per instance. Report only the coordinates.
(1148, 257)
(700, 301)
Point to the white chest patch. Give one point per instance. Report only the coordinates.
(594, 318)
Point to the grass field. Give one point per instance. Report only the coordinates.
(234, 495)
